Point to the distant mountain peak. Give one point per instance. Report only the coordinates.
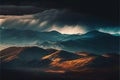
(56, 32)
(96, 33)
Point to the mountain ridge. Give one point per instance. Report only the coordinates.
(56, 40)
(57, 60)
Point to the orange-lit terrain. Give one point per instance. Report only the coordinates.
(82, 53)
(51, 55)
(72, 64)
(68, 64)
(55, 71)
(59, 63)
(11, 51)
(10, 54)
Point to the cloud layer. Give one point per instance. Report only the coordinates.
(34, 21)
(53, 19)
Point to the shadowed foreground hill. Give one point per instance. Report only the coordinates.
(34, 63)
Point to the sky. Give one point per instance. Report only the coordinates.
(102, 8)
(64, 16)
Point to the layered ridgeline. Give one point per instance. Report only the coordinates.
(93, 41)
(46, 60)
(21, 63)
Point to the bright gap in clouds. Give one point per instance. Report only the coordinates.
(1, 21)
(68, 29)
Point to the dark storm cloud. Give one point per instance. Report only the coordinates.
(105, 9)
(62, 21)
(53, 19)
(18, 10)
(60, 15)
(36, 21)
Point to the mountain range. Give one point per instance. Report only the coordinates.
(93, 41)
(40, 61)
(35, 57)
